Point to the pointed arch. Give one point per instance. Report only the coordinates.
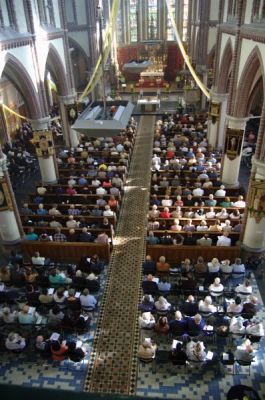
(20, 78)
(211, 55)
(57, 69)
(80, 64)
(244, 87)
(225, 67)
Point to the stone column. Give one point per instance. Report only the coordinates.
(216, 120)
(71, 137)
(10, 225)
(45, 149)
(232, 150)
(254, 234)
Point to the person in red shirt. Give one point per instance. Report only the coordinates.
(70, 190)
(165, 213)
(107, 183)
(59, 351)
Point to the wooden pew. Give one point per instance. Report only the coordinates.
(176, 254)
(68, 252)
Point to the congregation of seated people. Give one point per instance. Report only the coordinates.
(41, 295)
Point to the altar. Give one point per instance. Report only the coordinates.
(148, 103)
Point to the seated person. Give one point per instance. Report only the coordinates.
(58, 350)
(165, 213)
(235, 306)
(225, 267)
(238, 268)
(15, 342)
(162, 304)
(244, 290)
(55, 317)
(195, 325)
(162, 326)
(87, 300)
(206, 305)
(189, 227)
(38, 260)
(216, 289)
(5, 275)
(147, 350)
(76, 352)
(196, 352)
(237, 326)
(149, 286)
(244, 352)
(148, 266)
(178, 326)
(178, 355)
(200, 267)
(147, 320)
(255, 328)
(42, 346)
(27, 316)
(190, 306)
(147, 303)
(60, 298)
(162, 265)
(58, 278)
(214, 266)
(188, 283)
(251, 306)
(8, 316)
(151, 238)
(189, 239)
(163, 285)
(45, 297)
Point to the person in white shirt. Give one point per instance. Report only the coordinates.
(223, 214)
(221, 192)
(71, 181)
(216, 288)
(15, 342)
(198, 192)
(72, 223)
(213, 266)
(37, 259)
(236, 326)
(210, 213)
(167, 202)
(255, 328)
(108, 212)
(147, 320)
(54, 211)
(202, 227)
(224, 240)
(240, 203)
(95, 182)
(244, 290)
(100, 190)
(206, 305)
(225, 267)
(8, 316)
(162, 304)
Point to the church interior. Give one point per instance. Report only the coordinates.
(132, 199)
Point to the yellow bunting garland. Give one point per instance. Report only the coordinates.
(184, 54)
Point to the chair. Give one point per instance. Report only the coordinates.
(229, 362)
(240, 363)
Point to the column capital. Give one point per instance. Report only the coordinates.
(68, 99)
(236, 122)
(40, 124)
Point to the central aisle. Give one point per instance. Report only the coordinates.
(113, 357)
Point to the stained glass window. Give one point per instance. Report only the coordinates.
(152, 19)
(133, 20)
(170, 31)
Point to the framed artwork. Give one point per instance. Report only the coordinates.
(256, 203)
(233, 142)
(43, 143)
(214, 109)
(5, 198)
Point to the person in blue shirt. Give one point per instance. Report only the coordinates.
(31, 235)
(151, 238)
(195, 325)
(178, 326)
(164, 286)
(155, 201)
(82, 180)
(41, 210)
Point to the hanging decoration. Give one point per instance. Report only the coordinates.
(106, 50)
(256, 203)
(184, 54)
